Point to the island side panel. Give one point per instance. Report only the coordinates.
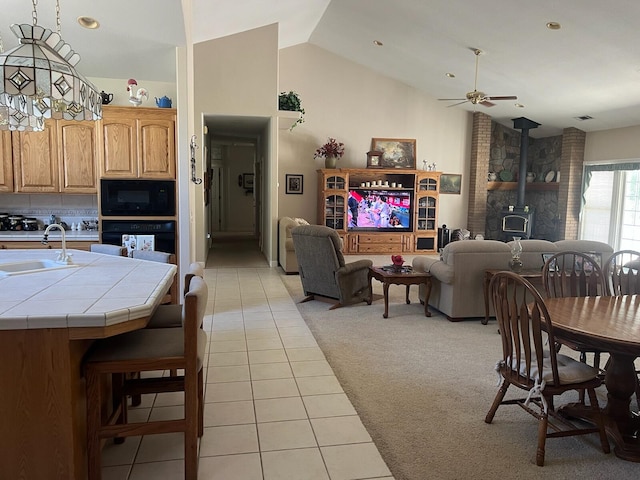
(42, 405)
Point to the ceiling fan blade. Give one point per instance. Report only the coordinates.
(451, 99)
(504, 97)
(456, 104)
(486, 103)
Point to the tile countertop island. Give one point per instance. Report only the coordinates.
(48, 320)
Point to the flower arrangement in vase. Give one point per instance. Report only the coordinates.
(397, 261)
(331, 152)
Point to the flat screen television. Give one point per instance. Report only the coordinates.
(380, 210)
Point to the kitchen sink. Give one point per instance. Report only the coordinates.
(31, 266)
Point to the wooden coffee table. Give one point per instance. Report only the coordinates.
(407, 277)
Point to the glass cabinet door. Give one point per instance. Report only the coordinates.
(428, 185)
(426, 213)
(335, 182)
(334, 211)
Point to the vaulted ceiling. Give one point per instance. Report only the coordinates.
(590, 67)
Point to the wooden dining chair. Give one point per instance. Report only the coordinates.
(574, 274)
(108, 249)
(532, 364)
(622, 272)
(170, 316)
(161, 257)
(150, 350)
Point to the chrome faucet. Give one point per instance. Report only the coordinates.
(62, 255)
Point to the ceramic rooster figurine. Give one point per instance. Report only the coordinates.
(140, 95)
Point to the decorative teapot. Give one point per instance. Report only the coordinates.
(107, 98)
(164, 102)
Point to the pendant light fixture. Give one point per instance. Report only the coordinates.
(38, 79)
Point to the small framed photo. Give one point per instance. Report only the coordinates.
(396, 152)
(374, 159)
(450, 183)
(293, 183)
(247, 181)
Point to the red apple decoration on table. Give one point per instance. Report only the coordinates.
(397, 260)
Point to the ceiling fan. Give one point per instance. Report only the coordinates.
(476, 97)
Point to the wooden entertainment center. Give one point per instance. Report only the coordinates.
(422, 188)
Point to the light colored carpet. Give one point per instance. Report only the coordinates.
(422, 387)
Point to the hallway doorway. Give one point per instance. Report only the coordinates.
(234, 203)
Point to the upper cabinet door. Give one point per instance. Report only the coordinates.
(77, 156)
(6, 162)
(138, 143)
(156, 148)
(35, 161)
(118, 150)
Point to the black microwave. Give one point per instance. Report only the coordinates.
(138, 197)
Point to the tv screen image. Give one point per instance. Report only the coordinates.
(379, 210)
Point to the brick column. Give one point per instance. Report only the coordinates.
(570, 187)
(480, 151)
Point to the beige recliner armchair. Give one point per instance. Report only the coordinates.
(286, 252)
(322, 268)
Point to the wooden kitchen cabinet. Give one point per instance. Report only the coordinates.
(77, 156)
(61, 159)
(35, 161)
(6, 162)
(137, 143)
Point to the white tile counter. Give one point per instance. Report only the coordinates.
(103, 290)
(72, 235)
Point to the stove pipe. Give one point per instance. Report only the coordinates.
(525, 125)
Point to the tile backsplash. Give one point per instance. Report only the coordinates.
(67, 208)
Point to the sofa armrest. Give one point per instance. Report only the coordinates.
(443, 272)
(423, 264)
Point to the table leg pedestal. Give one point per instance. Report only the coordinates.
(622, 425)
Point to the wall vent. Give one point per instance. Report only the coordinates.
(584, 117)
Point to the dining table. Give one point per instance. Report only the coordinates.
(609, 324)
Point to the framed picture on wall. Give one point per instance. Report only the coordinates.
(247, 181)
(396, 152)
(450, 183)
(293, 183)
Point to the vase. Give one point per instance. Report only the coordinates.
(330, 162)
(515, 264)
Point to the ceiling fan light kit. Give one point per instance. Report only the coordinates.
(477, 97)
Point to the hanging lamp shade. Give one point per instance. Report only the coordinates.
(39, 79)
(13, 119)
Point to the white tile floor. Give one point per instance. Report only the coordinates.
(274, 409)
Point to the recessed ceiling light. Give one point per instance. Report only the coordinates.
(377, 43)
(553, 26)
(450, 75)
(519, 105)
(88, 22)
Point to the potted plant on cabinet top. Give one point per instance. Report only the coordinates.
(331, 152)
(290, 101)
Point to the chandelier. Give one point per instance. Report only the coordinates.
(38, 80)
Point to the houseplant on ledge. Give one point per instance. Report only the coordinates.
(331, 152)
(290, 101)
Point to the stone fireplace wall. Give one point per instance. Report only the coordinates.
(556, 212)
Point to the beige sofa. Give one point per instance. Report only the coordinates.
(457, 278)
(286, 252)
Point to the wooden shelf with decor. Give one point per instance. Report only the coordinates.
(533, 186)
(419, 187)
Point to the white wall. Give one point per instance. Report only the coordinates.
(237, 75)
(118, 86)
(354, 104)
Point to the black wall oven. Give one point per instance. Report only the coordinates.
(131, 198)
(163, 231)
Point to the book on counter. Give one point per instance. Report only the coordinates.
(138, 242)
